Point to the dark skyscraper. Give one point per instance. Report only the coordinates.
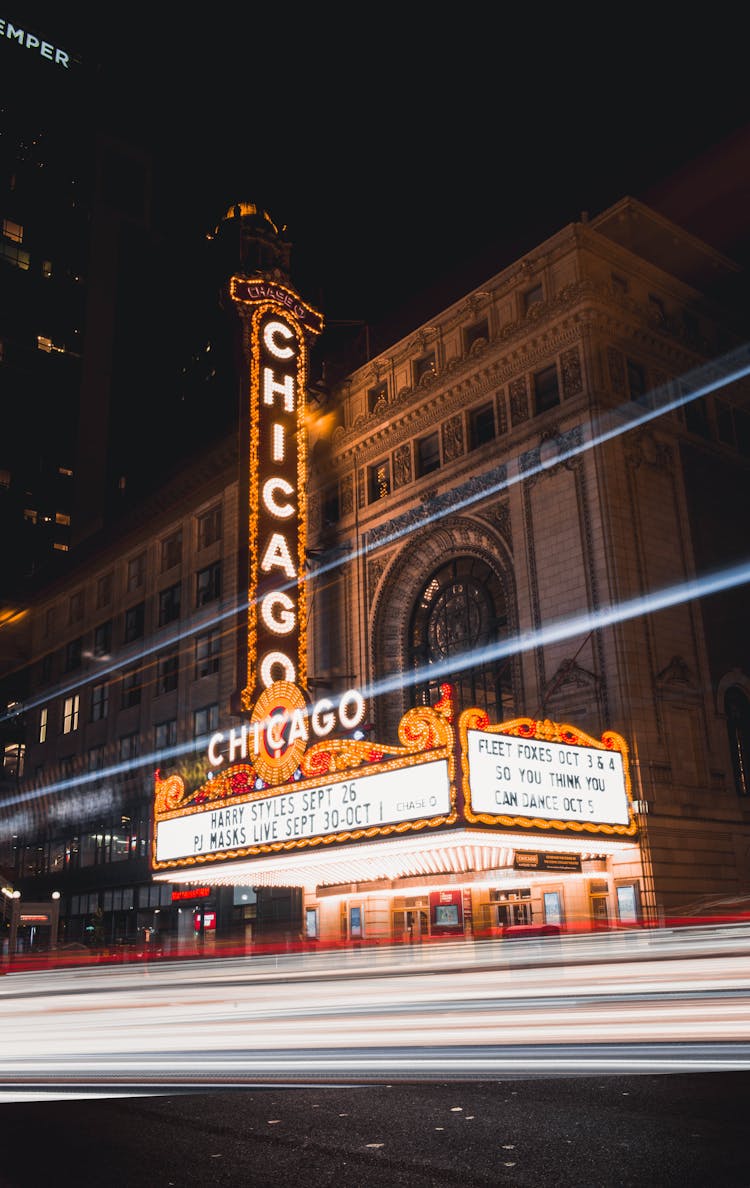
(75, 219)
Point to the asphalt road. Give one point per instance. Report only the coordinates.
(679, 1131)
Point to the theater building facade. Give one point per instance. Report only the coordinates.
(457, 674)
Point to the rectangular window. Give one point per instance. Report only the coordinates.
(426, 365)
(131, 688)
(331, 509)
(165, 734)
(531, 297)
(136, 572)
(546, 389)
(70, 714)
(16, 255)
(103, 639)
(171, 550)
(134, 621)
(375, 395)
(637, 382)
(207, 654)
(95, 758)
(379, 480)
(209, 527)
(129, 746)
(43, 724)
(208, 584)
(13, 231)
(13, 758)
(120, 851)
(428, 454)
(46, 668)
(104, 591)
(724, 422)
(696, 418)
(169, 604)
(481, 425)
(205, 720)
(479, 332)
(76, 606)
(73, 654)
(99, 702)
(167, 671)
(657, 309)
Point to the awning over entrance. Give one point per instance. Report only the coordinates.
(451, 853)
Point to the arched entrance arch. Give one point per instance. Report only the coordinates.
(447, 595)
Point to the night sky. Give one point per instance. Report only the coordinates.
(412, 155)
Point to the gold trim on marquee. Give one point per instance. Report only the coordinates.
(547, 731)
(426, 736)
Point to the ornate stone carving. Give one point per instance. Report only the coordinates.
(473, 489)
(313, 512)
(347, 495)
(502, 414)
(616, 365)
(402, 465)
(375, 568)
(499, 516)
(519, 401)
(678, 674)
(453, 438)
(647, 450)
(572, 376)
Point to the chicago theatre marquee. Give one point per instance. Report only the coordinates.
(462, 827)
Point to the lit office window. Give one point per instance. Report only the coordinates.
(379, 480)
(43, 724)
(70, 714)
(13, 758)
(13, 231)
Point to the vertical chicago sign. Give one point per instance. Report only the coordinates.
(278, 327)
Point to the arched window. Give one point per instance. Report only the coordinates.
(737, 710)
(460, 613)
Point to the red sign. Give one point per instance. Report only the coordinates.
(191, 893)
(209, 921)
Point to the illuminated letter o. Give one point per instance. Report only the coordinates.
(322, 718)
(351, 719)
(270, 661)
